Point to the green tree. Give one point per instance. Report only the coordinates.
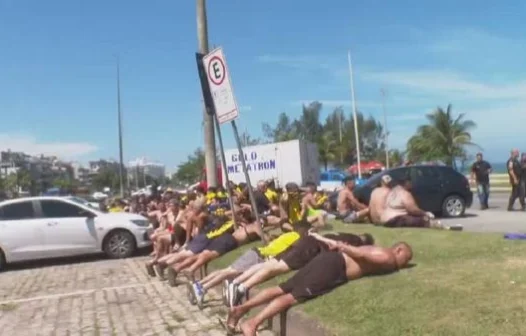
(327, 148)
(396, 158)
(247, 140)
(17, 181)
(191, 170)
(106, 178)
(284, 130)
(444, 138)
(335, 137)
(64, 183)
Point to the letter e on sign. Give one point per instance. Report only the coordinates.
(220, 86)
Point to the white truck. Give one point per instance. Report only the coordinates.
(284, 162)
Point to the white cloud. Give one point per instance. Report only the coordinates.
(30, 145)
(298, 61)
(447, 83)
(337, 103)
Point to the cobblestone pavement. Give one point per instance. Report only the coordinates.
(104, 297)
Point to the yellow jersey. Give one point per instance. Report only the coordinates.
(210, 197)
(278, 245)
(272, 196)
(320, 199)
(221, 230)
(221, 194)
(116, 209)
(294, 210)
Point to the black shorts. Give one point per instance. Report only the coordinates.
(178, 236)
(198, 244)
(407, 221)
(222, 244)
(348, 238)
(301, 253)
(324, 273)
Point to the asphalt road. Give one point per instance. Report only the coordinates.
(494, 219)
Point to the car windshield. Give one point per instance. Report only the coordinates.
(81, 201)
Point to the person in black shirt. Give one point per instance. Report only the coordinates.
(514, 172)
(480, 171)
(261, 200)
(522, 179)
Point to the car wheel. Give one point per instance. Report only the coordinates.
(119, 244)
(453, 206)
(3, 262)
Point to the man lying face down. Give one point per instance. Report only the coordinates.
(321, 275)
(299, 255)
(251, 259)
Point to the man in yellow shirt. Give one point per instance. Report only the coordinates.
(248, 262)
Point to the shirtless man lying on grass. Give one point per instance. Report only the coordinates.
(299, 255)
(252, 258)
(324, 273)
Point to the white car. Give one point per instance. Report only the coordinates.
(49, 227)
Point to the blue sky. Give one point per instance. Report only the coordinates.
(57, 69)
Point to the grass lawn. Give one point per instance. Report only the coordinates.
(462, 284)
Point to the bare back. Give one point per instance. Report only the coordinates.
(379, 261)
(345, 197)
(396, 204)
(377, 203)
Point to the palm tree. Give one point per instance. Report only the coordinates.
(327, 148)
(445, 138)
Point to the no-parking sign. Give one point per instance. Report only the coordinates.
(220, 86)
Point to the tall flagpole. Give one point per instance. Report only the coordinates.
(119, 114)
(355, 118)
(386, 131)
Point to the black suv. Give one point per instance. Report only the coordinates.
(438, 189)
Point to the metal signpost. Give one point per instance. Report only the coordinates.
(225, 108)
(209, 106)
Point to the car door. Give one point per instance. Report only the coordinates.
(427, 187)
(69, 231)
(21, 233)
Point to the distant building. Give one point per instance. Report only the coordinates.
(141, 167)
(42, 170)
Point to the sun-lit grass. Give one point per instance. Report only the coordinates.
(462, 284)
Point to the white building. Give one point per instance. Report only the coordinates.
(143, 167)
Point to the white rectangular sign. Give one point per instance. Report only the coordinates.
(220, 86)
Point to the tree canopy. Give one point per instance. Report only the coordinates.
(445, 137)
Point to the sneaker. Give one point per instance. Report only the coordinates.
(199, 294)
(225, 297)
(172, 277)
(190, 294)
(232, 294)
(160, 271)
(150, 270)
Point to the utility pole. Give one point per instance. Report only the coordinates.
(386, 131)
(355, 117)
(119, 113)
(208, 119)
(340, 112)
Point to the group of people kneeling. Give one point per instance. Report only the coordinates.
(323, 262)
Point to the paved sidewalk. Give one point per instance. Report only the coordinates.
(106, 297)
